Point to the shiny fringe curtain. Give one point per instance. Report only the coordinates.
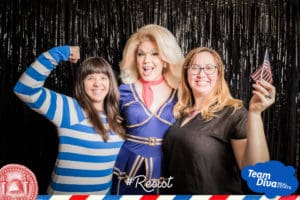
(240, 30)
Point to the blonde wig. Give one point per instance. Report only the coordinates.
(217, 99)
(168, 49)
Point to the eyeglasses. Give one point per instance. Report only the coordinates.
(207, 69)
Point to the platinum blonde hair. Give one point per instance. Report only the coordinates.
(168, 48)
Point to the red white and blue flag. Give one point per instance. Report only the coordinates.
(264, 71)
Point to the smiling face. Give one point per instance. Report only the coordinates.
(96, 86)
(149, 62)
(201, 83)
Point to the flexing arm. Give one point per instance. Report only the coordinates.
(254, 149)
(29, 87)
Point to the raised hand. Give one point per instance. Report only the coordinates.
(263, 96)
(74, 54)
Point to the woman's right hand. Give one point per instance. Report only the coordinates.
(74, 54)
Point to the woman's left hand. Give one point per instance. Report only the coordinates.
(74, 54)
(263, 96)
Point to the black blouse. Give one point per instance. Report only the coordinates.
(199, 155)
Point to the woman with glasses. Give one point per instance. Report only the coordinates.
(214, 136)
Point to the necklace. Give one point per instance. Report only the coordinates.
(194, 111)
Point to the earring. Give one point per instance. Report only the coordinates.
(165, 65)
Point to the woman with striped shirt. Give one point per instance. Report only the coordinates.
(89, 127)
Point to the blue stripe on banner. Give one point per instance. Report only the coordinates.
(182, 197)
(43, 197)
(252, 197)
(177, 197)
(82, 173)
(85, 158)
(89, 144)
(51, 111)
(79, 188)
(113, 197)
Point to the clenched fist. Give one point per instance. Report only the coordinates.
(74, 54)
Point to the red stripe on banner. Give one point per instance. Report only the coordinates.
(290, 197)
(219, 197)
(149, 197)
(79, 197)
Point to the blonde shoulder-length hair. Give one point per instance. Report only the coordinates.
(217, 99)
(168, 48)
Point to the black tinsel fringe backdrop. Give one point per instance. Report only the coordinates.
(240, 30)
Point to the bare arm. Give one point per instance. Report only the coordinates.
(254, 149)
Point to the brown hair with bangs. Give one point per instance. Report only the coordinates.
(111, 101)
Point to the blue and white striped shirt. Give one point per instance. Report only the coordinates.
(85, 162)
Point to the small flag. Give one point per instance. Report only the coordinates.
(264, 70)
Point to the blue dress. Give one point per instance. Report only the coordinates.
(140, 158)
